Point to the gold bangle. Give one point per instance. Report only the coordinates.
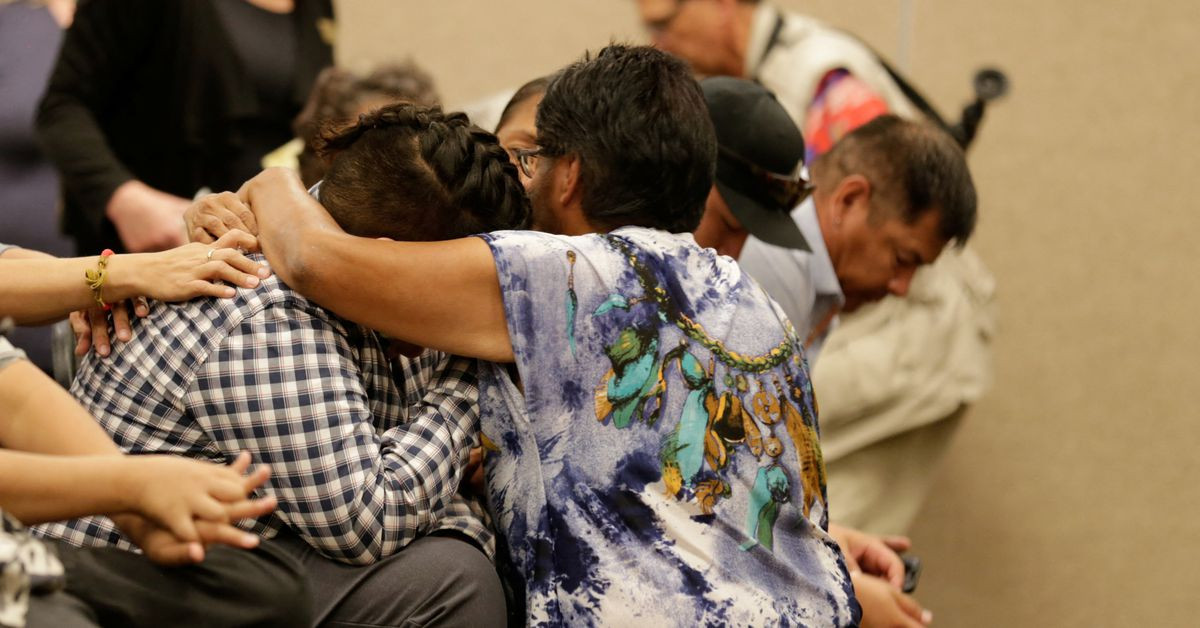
(95, 278)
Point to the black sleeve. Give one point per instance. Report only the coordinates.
(102, 47)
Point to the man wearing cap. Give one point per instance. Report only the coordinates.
(873, 216)
(882, 463)
(912, 364)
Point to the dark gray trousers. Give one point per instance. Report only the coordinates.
(434, 581)
(111, 587)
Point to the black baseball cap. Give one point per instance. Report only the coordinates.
(760, 155)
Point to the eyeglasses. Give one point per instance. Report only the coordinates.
(786, 190)
(527, 159)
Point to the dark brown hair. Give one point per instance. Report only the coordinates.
(915, 166)
(409, 172)
(338, 93)
(536, 87)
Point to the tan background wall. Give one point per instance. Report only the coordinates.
(1070, 498)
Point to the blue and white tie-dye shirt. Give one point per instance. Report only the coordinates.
(657, 462)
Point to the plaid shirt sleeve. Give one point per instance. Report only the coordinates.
(288, 385)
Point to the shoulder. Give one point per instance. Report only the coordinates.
(532, 243)
(525, 255)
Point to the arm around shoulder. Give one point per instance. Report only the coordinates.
(442, 295)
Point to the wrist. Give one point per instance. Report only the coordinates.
(124, 280)
(125, 486)
(132, 526)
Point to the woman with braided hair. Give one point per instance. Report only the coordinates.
(367, 454)
(459, 181)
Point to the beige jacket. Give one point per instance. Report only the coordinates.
(892, 379)
(893, 382)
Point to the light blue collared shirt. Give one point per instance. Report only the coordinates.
(802, 282)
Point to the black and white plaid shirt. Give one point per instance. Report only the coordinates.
(360, 466)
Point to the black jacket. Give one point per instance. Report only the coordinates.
(150, 89)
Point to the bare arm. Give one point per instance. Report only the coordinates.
(442, 295)
(59, 451)
(40, 289)
(20, 253)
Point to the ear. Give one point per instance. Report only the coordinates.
(570, 191)
(852, 193)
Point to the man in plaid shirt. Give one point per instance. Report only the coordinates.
(365, 461)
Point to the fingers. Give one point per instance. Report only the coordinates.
(202, 226)
(851, 564)
(236, 214)
(256, 479)
(99, 324)
(245, 264)
(241, 463)
(879, 560)
(237, 239)
(183, 527)
(222, 268)
(141, 307)
(225, 534)
(207, 508)
(172, 553)
(120, 319)
(82, 328)
(251, 508)
(218, 214)
(910, 607)
(201, 288)
(898, 544)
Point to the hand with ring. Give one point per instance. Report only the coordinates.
(192, 270)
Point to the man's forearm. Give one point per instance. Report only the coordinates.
(443, 295)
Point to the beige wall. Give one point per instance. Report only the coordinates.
(1071, 497)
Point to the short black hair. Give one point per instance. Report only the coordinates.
(636, 118)
(409, 172)
(916, 165)
(536, 87)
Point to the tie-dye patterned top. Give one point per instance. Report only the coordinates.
(657, 462)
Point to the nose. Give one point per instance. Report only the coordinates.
(900, 283)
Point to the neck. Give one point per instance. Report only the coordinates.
(574, 222)
(721, 238)
(721, 232)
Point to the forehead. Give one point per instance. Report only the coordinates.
(922, 236)
(656, 9)
(521, 123)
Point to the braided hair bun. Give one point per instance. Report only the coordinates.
(410, 172)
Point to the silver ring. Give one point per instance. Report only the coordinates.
(210, 254)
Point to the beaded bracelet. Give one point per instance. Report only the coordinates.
(95, 278)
